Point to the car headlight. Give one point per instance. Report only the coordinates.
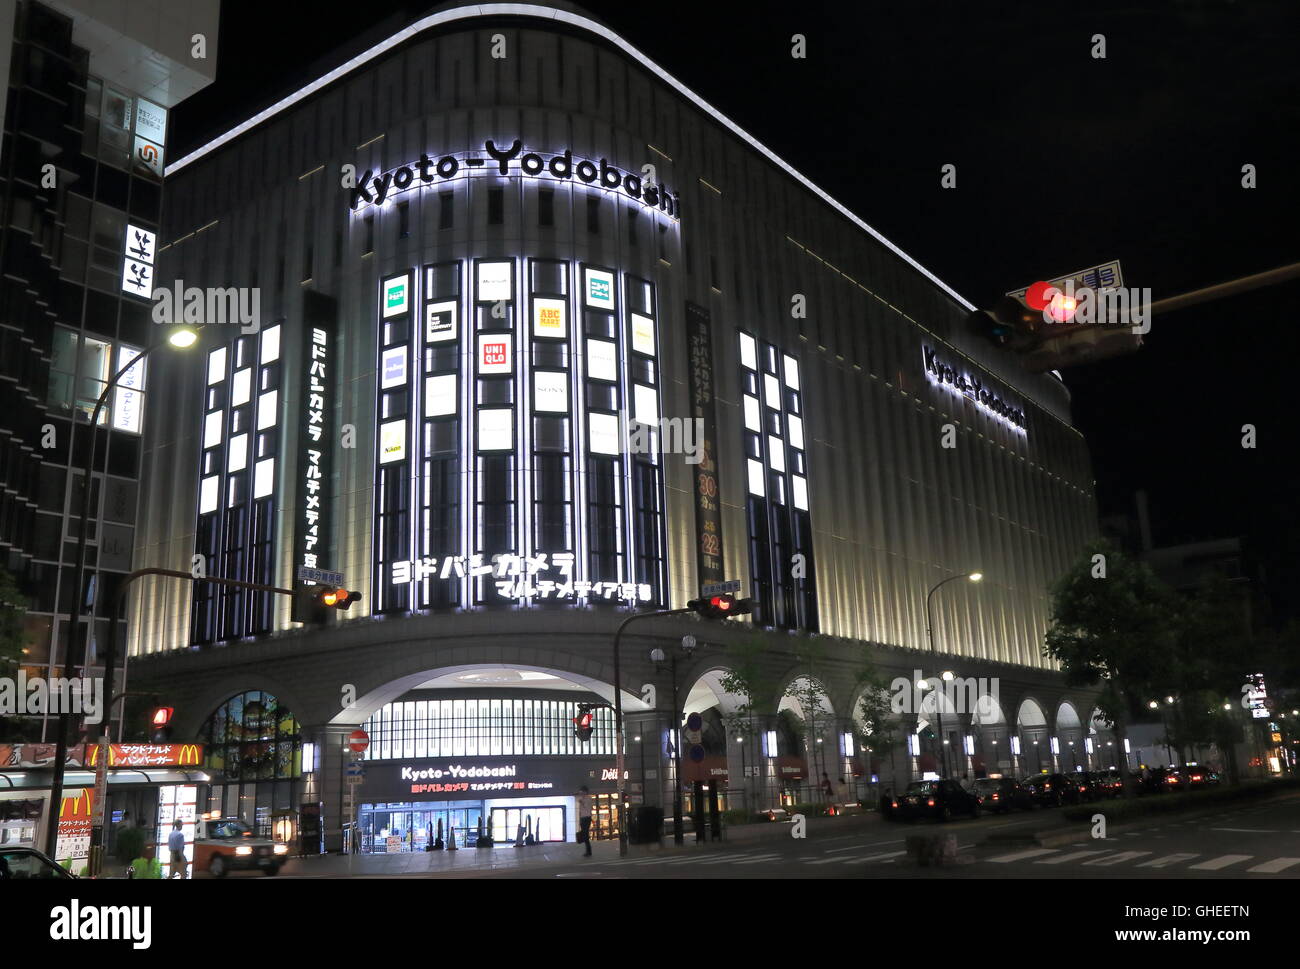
(281, 849)
(242, 850)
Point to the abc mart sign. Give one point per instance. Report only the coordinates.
(375, 189)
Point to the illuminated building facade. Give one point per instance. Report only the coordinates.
(544, 339)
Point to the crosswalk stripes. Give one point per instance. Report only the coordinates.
(1123, 856)
(754, 861)
(1073, 856)
(891, 855)
(1223, 861)
(1276, 865)
(1175, 859)
(1023, 855)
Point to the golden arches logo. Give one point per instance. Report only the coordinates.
(75, 802)
(190, 754)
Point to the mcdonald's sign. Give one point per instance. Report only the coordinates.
(148, 755)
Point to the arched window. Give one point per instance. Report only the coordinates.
(253, 737)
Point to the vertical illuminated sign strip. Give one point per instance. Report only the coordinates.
(391, 539)
(645, 507)
(316, 435)
(497, 342)
(708, 516)
(597, 294)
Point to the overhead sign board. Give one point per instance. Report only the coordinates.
(1108, 275)
(730, 587)
(305, 574)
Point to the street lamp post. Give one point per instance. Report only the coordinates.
(618, 716)
(657, 657)
(180, 337)
(929, 633)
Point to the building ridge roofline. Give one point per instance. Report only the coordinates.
(544, 12)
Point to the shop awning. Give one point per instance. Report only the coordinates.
(31, 780)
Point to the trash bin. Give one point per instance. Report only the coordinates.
(646, 825)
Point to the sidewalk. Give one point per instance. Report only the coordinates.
(507, 856)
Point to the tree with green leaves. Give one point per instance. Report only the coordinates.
(1113, 626)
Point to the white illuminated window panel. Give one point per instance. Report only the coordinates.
(241, 387)
(393, 364)
(753, 419)
(796, 431)
(217, 365)
(440, 395)
(748, 351)
(495, 353)
(551, 391)
(264, 478)
(550, 317)
(776, 452)
(494, 282)
(643, 334)
(440, 323)
(646, 404)
(392, 442)
(270, 345)
(602, 361)
(791, 372)
(755, 477)
(208, 494)
(212, 429)
(604, 434)
(771, 391)
(238, 457)
(267, 409)
(496, 429)
(799, 488)
(599, 289)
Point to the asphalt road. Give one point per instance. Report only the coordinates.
(1260, 840)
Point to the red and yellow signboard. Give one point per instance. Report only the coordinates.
(19, 756)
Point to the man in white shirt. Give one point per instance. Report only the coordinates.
(176, 845)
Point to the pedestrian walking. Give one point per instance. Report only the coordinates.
(584, 817)
(176, 845)
(965, 782)
(827, 788)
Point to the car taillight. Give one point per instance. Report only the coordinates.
(930, 802)
(1171, 780)
(893, 804)
(1047, 787)
(1082, 788)
(995, 797)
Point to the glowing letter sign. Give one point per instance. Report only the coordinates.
(316, 434)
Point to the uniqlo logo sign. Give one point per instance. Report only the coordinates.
(494, 353)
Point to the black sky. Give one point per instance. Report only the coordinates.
(1062, 161)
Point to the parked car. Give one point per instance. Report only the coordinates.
(934, 799)
(23, 863)
(1002, 794)
(1052, 790)
(1093, 787)
(1110, 782)
(1160, 780)
(1197, 777)
(222, 844)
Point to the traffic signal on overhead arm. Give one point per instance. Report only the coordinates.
(582, 723)
(1011, 323)
(721, 607)
(313, 604)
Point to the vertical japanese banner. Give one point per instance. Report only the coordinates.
(708, 516)
(316, 435)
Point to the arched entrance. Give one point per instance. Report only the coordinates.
(1030, 748)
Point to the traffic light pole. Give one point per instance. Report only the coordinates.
(110, 659)
(618, 715)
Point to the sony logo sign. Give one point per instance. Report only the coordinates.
(374, 189)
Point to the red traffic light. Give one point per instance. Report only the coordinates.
(582, 724)
(721, 607)
(337, 598)
(161, 716)
(721, 603)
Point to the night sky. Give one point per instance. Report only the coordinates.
(1063, 161)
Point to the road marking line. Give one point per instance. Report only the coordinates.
(1247, 830)
(678, 861)
(1277, 864)
(1021, 855)
(874, 844)
(831, 861)
(891, 855)
(1116, 859)
(1167, 860)
(754, 861)
(1073, 856)
(1223, 861)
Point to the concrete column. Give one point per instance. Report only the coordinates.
(648, 762)
(330, 786)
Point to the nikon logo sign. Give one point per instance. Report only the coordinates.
(376, 189)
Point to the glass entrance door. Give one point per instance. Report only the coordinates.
(547, 823)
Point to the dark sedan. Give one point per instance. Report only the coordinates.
(1052, 790)
(1002, 794)
(934, 799)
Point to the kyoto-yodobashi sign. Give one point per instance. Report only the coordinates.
(520, 576)
(375, 189)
